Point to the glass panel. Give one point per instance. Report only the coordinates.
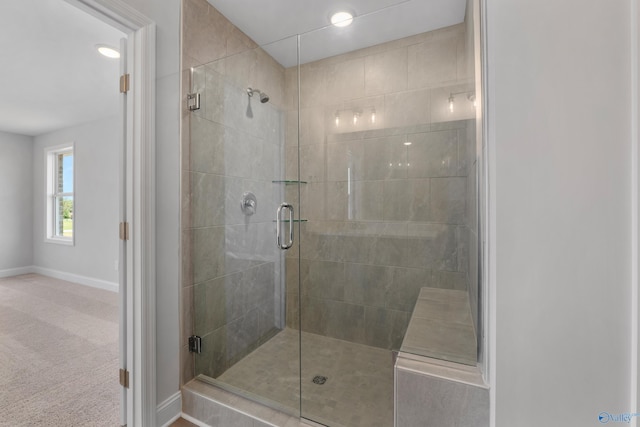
(64, 216)
(65, 183)
(387, 148)
(245, 288)
(63, 200)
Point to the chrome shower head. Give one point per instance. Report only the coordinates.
(263, 96)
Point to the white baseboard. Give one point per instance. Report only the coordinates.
(169, 410)
(17, 271)
(75, 278)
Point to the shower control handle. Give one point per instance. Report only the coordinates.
(249, 203)
(281, 245)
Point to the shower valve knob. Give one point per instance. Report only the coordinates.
(249, 203)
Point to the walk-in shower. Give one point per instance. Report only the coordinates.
(336, 224)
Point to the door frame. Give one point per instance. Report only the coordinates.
(140, 177)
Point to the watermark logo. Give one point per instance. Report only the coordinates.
(625, 417)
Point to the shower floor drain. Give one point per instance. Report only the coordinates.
(319, 379)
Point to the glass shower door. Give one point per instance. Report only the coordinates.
(347, 250)
(387, 151)
(242, 280)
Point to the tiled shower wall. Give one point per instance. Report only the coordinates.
(233, 144)
(384, 218)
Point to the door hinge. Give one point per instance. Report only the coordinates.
(193, 101)
(124, 378)
(124, 231)
(195, 344)
(124, 83)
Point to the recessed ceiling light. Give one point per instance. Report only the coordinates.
(108, 51)
(341, 19)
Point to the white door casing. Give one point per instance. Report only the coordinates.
(122, 219)
(137, 171)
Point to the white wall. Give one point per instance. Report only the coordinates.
(16, 194)
(559, 115)
(95, 205)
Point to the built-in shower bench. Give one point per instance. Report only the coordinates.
(441, 327)
(438, 382)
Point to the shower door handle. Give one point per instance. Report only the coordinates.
(283, 206)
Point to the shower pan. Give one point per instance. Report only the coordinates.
(334, 223)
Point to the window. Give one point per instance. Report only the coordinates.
(60, 200)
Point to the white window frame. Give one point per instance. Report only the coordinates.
(51, 193)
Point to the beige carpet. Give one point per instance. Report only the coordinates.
(58, 353)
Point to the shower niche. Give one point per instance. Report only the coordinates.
(329, 218)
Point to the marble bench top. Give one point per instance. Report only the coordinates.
(441, 327)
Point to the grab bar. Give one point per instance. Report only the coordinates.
(282, 206)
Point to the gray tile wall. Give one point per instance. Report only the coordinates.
(231, 268)
(384, 218)
(431, 401)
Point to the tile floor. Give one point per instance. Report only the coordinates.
(358, 390)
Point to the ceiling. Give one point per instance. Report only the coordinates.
(272, 23)
(52, 76)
